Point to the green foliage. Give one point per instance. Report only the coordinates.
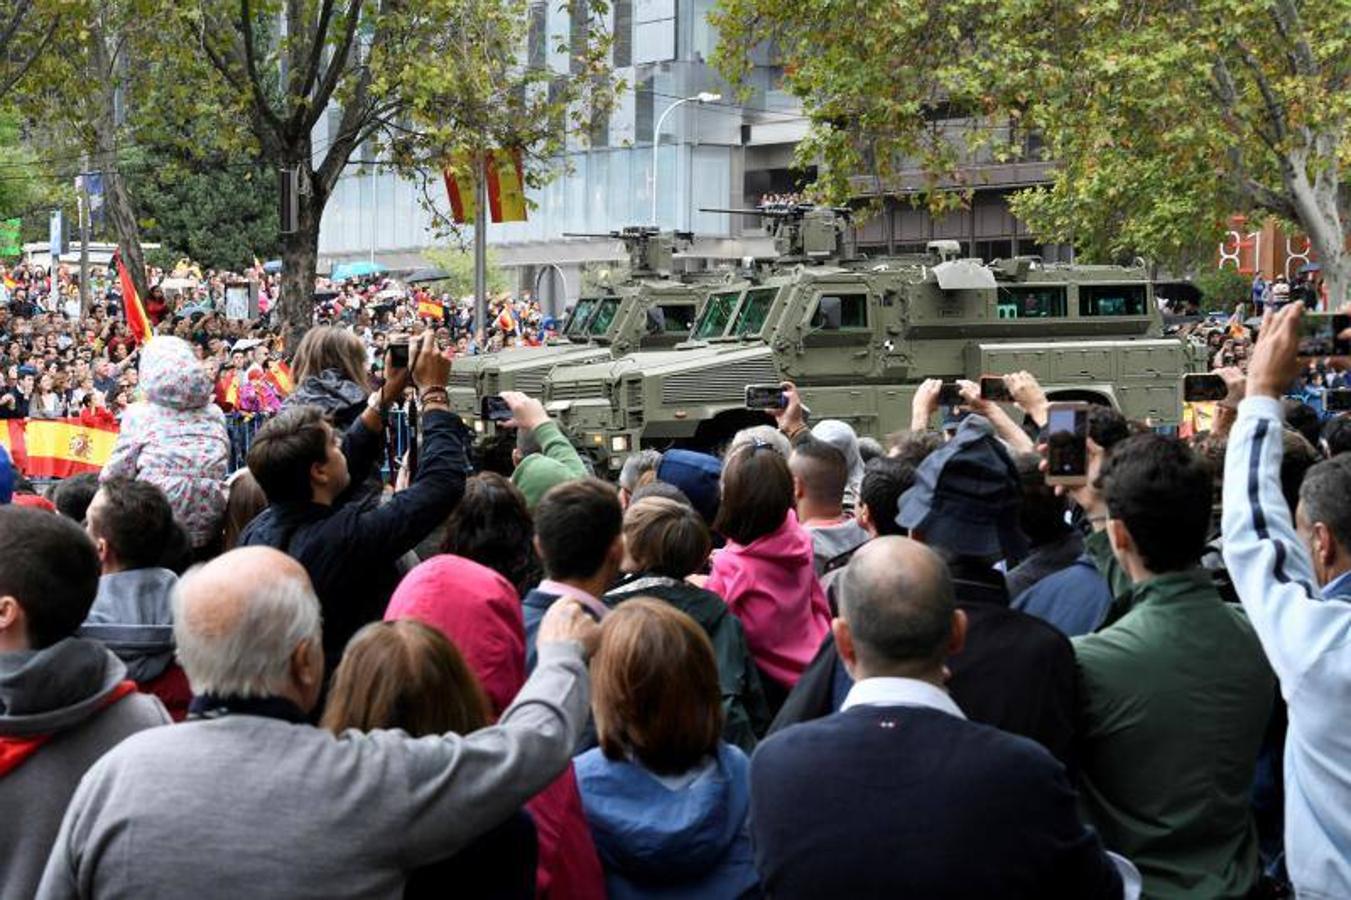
(459, 265)
(218, 214)
(1161, 119)
(1223, 289)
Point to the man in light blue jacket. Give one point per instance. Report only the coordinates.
(1295, 585)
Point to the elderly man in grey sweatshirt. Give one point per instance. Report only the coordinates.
(249, 798)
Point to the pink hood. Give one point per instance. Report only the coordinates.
(771, 586)
(480, 613)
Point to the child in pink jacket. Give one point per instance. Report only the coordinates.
(765, 572)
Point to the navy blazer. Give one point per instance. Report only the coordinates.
(908, 801)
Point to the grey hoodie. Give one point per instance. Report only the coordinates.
(60, 692)
(132, 617)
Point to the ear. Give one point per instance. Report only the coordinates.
(1324, 545)
(539, 550)
(844, 645)
(1119, 537)
(864, 515)
(307, 671)
(799, 489)
(104, 551)
(957, 640)
(13, 625)
(317, 474)
(616, 554)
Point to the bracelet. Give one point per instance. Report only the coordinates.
(434, 395)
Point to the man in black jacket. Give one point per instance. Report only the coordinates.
(350, 546)
(1015, 672)
(898, 795)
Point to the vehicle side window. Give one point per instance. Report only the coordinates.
(1032, 302)
(677, 318)
(1112, 300)
(841, 312)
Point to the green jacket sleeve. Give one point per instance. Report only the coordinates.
(557, 447)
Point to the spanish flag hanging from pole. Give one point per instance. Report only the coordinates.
(137, 321)
(506, 187)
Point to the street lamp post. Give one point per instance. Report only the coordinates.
(701, 97)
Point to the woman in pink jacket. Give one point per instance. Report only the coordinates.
(765, 572)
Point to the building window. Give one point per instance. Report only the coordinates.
(622, 47)
(643, 102)
(579, 13)
(1112, 300)
(536, 33)
(1032, 302)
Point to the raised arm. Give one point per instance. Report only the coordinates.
(1267, 561)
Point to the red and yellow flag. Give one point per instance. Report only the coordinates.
(506, 187)
(279, 374)
(58, 448)
(137, 321)
(430, 309)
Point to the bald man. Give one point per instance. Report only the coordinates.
(916, 800)
(248, 798)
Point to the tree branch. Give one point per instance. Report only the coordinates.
(316, 55)
(260, 101)
(328, 82)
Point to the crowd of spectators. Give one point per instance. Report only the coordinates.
(810, 666)
(59, 360)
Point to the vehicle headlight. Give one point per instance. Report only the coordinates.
(620, 444)
(597, 439)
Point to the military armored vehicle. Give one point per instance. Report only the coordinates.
(858, 336)
(649, 308)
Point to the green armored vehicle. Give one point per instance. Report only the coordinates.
(858, 336)
(650, 308)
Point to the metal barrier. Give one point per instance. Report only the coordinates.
(243, 427)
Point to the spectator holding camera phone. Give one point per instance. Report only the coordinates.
(348, 545)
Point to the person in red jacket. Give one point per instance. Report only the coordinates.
(479, 611)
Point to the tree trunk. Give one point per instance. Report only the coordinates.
(123, 219)
(299, 261)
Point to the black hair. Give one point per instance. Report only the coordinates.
(136, 520)
(822, 468)
(492, 526)
(1161, 491)
(1107, 427)
(72, 495)
(1042, 516)
(48, 564)
(1337, 435)
(492, 453)
(884, 481)
(1302, 418)
(577, 523)
(283, 451)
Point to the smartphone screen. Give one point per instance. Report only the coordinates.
(950, 394)
(765, 396)
(495, 409)
(1338, 400)
(1203, 388)
(1067, 443)
(992, 387)
(398, 355)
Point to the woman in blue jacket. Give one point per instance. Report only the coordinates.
(666, 798)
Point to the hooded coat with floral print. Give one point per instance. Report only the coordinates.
(176, 438)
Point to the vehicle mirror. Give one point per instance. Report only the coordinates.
(828, 314)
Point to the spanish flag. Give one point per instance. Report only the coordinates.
(11, 438)
(279, 375)
(506, 187)
(137, 321)
(59, 448)
(430, 309)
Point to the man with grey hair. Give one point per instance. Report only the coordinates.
(871, 832)
(247, 796)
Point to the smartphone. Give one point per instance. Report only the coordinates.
(495, 409)
(950, 394)
(1338, 400)
(992, 387)
(398, 354)
(766, 396)
(1067, 444)
(1203, 388)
